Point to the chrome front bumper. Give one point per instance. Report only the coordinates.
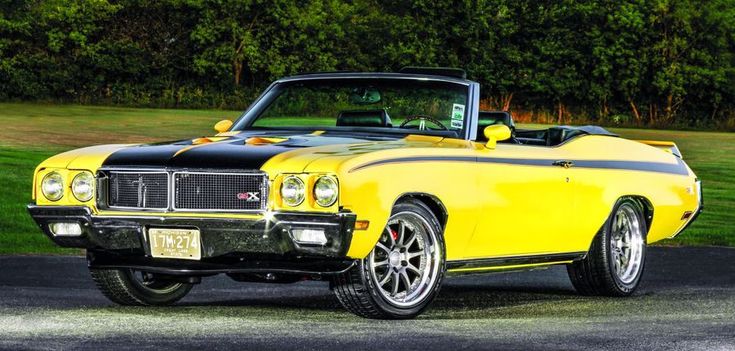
(219, 236)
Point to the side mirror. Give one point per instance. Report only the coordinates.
(223, 126)
(495, 133)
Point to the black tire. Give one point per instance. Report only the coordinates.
(123, 287)
(358, 291)
(597, 274)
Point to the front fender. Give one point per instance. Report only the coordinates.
(370, 193)
(87, 158)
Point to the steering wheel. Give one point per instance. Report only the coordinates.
(422, 124)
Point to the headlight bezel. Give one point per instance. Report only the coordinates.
(91, 185)
(300, 191)
(333, 185)
(61, 187)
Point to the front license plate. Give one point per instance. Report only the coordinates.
(183, 244)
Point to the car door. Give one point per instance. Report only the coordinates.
(527, 198)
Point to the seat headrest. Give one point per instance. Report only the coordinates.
(364, 118)
(487, 118)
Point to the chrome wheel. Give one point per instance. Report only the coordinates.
(626, 244)
(405, 261)
(403, 273)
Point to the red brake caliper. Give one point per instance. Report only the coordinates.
(394, 234)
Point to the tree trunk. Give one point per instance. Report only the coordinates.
(604, 109)
(237, 67)
(506, 99)
(652, 113)
(714, 112)
(668, 110)
(636, 114)
(237, 62)
(560, 113)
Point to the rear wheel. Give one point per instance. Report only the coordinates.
(135, 288)
(614, 264)
(403, 273)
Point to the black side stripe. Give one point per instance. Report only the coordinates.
(659, 167)
(416, 159)
(515, 260)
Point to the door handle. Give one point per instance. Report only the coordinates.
(563, 163)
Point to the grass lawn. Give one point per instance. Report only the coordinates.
(712, 157)
(29, 133)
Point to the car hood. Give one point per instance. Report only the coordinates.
(243, 150)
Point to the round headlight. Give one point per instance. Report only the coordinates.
(52, 186)
(325, 191)
(82, 186)
(292, 191)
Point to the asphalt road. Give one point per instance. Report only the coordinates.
(686, 302)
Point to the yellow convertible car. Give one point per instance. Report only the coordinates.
(380, 183)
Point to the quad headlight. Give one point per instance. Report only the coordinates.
(325, 191)
(52, 186)
(82, 186)
(293, 191)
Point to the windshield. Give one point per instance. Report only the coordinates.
(398, 104)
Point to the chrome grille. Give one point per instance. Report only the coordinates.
(183, 190)
(220, 191)
(144, 190)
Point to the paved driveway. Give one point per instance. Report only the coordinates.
(686, 301)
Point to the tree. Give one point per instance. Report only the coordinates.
(663, 62)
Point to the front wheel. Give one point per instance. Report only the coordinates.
(403, 273)
(135, 288)
(614, 263)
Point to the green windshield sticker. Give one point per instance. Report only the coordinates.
(458, 111)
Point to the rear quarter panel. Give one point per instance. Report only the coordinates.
(598, 189)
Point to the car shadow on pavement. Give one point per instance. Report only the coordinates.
(453, 301)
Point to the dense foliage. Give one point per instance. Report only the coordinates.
(659, 62)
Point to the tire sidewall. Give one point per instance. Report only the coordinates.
(153, 296)
(623, 288)
(366, 276)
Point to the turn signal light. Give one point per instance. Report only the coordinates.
(362, 225)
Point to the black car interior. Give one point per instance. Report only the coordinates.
(549, 137)
(364, 118)
(540, 137)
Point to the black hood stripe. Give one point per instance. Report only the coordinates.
(231, 153)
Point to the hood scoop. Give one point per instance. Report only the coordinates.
(207, 140)
(264, 140)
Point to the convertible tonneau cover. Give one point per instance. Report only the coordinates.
(558, 134)
(589, 129)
